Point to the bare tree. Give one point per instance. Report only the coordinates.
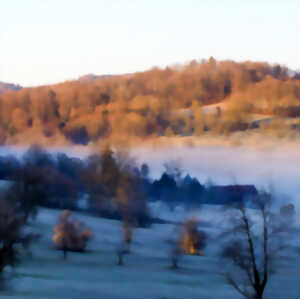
(175, 253)
(252, 244)
(128, 228)
(121, 251)
(175, 247)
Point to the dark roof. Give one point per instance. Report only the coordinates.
(231, 193)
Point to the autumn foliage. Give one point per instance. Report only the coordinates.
(192, 239)
(71, 234)
(156, 102)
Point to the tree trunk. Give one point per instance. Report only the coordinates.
(120, 259)
(259, 293)
(65, 253)
(174, 263)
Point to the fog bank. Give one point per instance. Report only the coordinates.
(277, 167)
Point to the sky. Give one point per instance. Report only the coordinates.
(49, 41)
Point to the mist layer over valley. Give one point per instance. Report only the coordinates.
(275, 168)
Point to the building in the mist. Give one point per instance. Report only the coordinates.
(230, 193)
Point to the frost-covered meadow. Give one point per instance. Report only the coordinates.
(146, 274)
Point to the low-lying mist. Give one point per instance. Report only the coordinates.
(276, 168)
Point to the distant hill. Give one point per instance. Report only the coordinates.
(92, 77)
(8, 86)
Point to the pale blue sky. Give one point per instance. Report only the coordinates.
(47, 41)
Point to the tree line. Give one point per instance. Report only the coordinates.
(157, 102)
(108, 183)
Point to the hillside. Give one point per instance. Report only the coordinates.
(207, 97)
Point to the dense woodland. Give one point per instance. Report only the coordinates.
(157, 102)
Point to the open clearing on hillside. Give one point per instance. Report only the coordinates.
(94, 274)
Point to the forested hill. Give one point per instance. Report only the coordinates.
(201, 97)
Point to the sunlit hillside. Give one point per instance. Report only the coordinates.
(200, 98)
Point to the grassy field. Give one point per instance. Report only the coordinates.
(146, 274)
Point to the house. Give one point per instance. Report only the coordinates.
(230, 194)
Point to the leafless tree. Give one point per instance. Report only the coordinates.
(128, 228)
(125, 244)
(252, 244)
(175, 254)
(121, 251)
(175, 247)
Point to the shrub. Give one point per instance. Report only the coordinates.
(71, 234)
